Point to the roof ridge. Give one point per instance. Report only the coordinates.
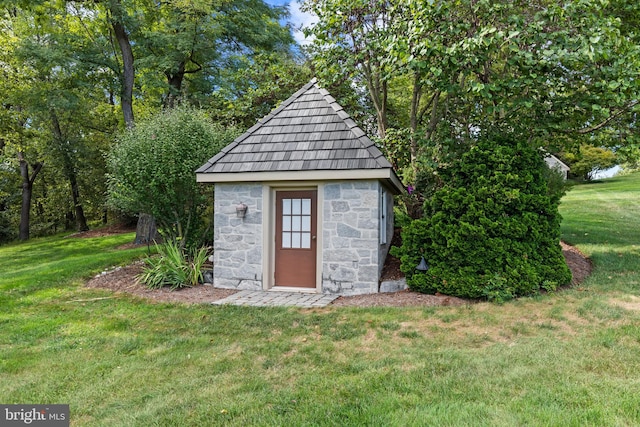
(284, 104)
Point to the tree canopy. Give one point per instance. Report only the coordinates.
(75, 73)
(555, 74)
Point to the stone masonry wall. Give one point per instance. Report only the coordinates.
(238, 253)
(350, 237)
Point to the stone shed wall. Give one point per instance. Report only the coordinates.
(352, 256)
(238, 253)
(351, 245)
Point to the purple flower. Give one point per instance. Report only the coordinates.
(410, 189)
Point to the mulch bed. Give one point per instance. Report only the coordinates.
(123, 279)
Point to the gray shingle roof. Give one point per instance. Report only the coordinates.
(308, 132)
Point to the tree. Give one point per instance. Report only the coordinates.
(151, 170)
(550, 73)
(18, 137)
(255, 86)
(53, 86)
(69, 68)
(191, 42)
(182, 39)
(350, 43)
(589, 160)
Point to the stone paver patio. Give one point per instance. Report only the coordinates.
(277, 299)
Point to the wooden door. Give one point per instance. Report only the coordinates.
(295, 251)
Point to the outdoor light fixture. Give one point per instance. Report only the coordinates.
(241, 210)
(423, 266)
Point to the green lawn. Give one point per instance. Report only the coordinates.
(566, 359)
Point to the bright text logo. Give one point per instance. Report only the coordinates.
(34, 415)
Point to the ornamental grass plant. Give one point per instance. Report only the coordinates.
(174, 266)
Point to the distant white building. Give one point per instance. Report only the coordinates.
(555, 163)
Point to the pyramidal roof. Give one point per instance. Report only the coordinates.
(309, 136)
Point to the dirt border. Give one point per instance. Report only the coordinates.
(123, 280)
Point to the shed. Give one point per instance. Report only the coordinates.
(555, 163)
(319, 202)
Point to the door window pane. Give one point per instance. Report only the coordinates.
(295, 223)
(295, 240)
(286, 206)
(306, 206)
(306, 223)
(306, 240)
(286, 223)
(286, 240)
(295, 206)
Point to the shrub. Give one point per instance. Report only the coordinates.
(492, 231)
(174, 267)
(152, 171)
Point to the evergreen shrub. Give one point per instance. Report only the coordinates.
(492, 231)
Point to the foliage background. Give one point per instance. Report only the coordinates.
(74, 74)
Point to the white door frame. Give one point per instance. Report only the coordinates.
(269, 228)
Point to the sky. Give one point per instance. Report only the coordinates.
(297, 19)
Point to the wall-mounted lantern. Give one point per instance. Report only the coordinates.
(422, 266)
(241, 210)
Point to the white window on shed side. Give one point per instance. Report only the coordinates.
(383, 216)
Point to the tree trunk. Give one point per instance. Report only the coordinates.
(25, 213)
(378, 93)
(175, 86)
(128, 71)
(146, 224)
(69, 220)
(27, 191)
(146, 230)
(416, 95)
(70, 172)
(81, 220)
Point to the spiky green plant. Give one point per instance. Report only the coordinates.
(174, 267)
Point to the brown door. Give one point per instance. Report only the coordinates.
(295, 256)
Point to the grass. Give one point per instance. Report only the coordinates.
(567, 359)
(602, 220)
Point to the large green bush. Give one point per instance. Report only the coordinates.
(493, 229)
(152, 170)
